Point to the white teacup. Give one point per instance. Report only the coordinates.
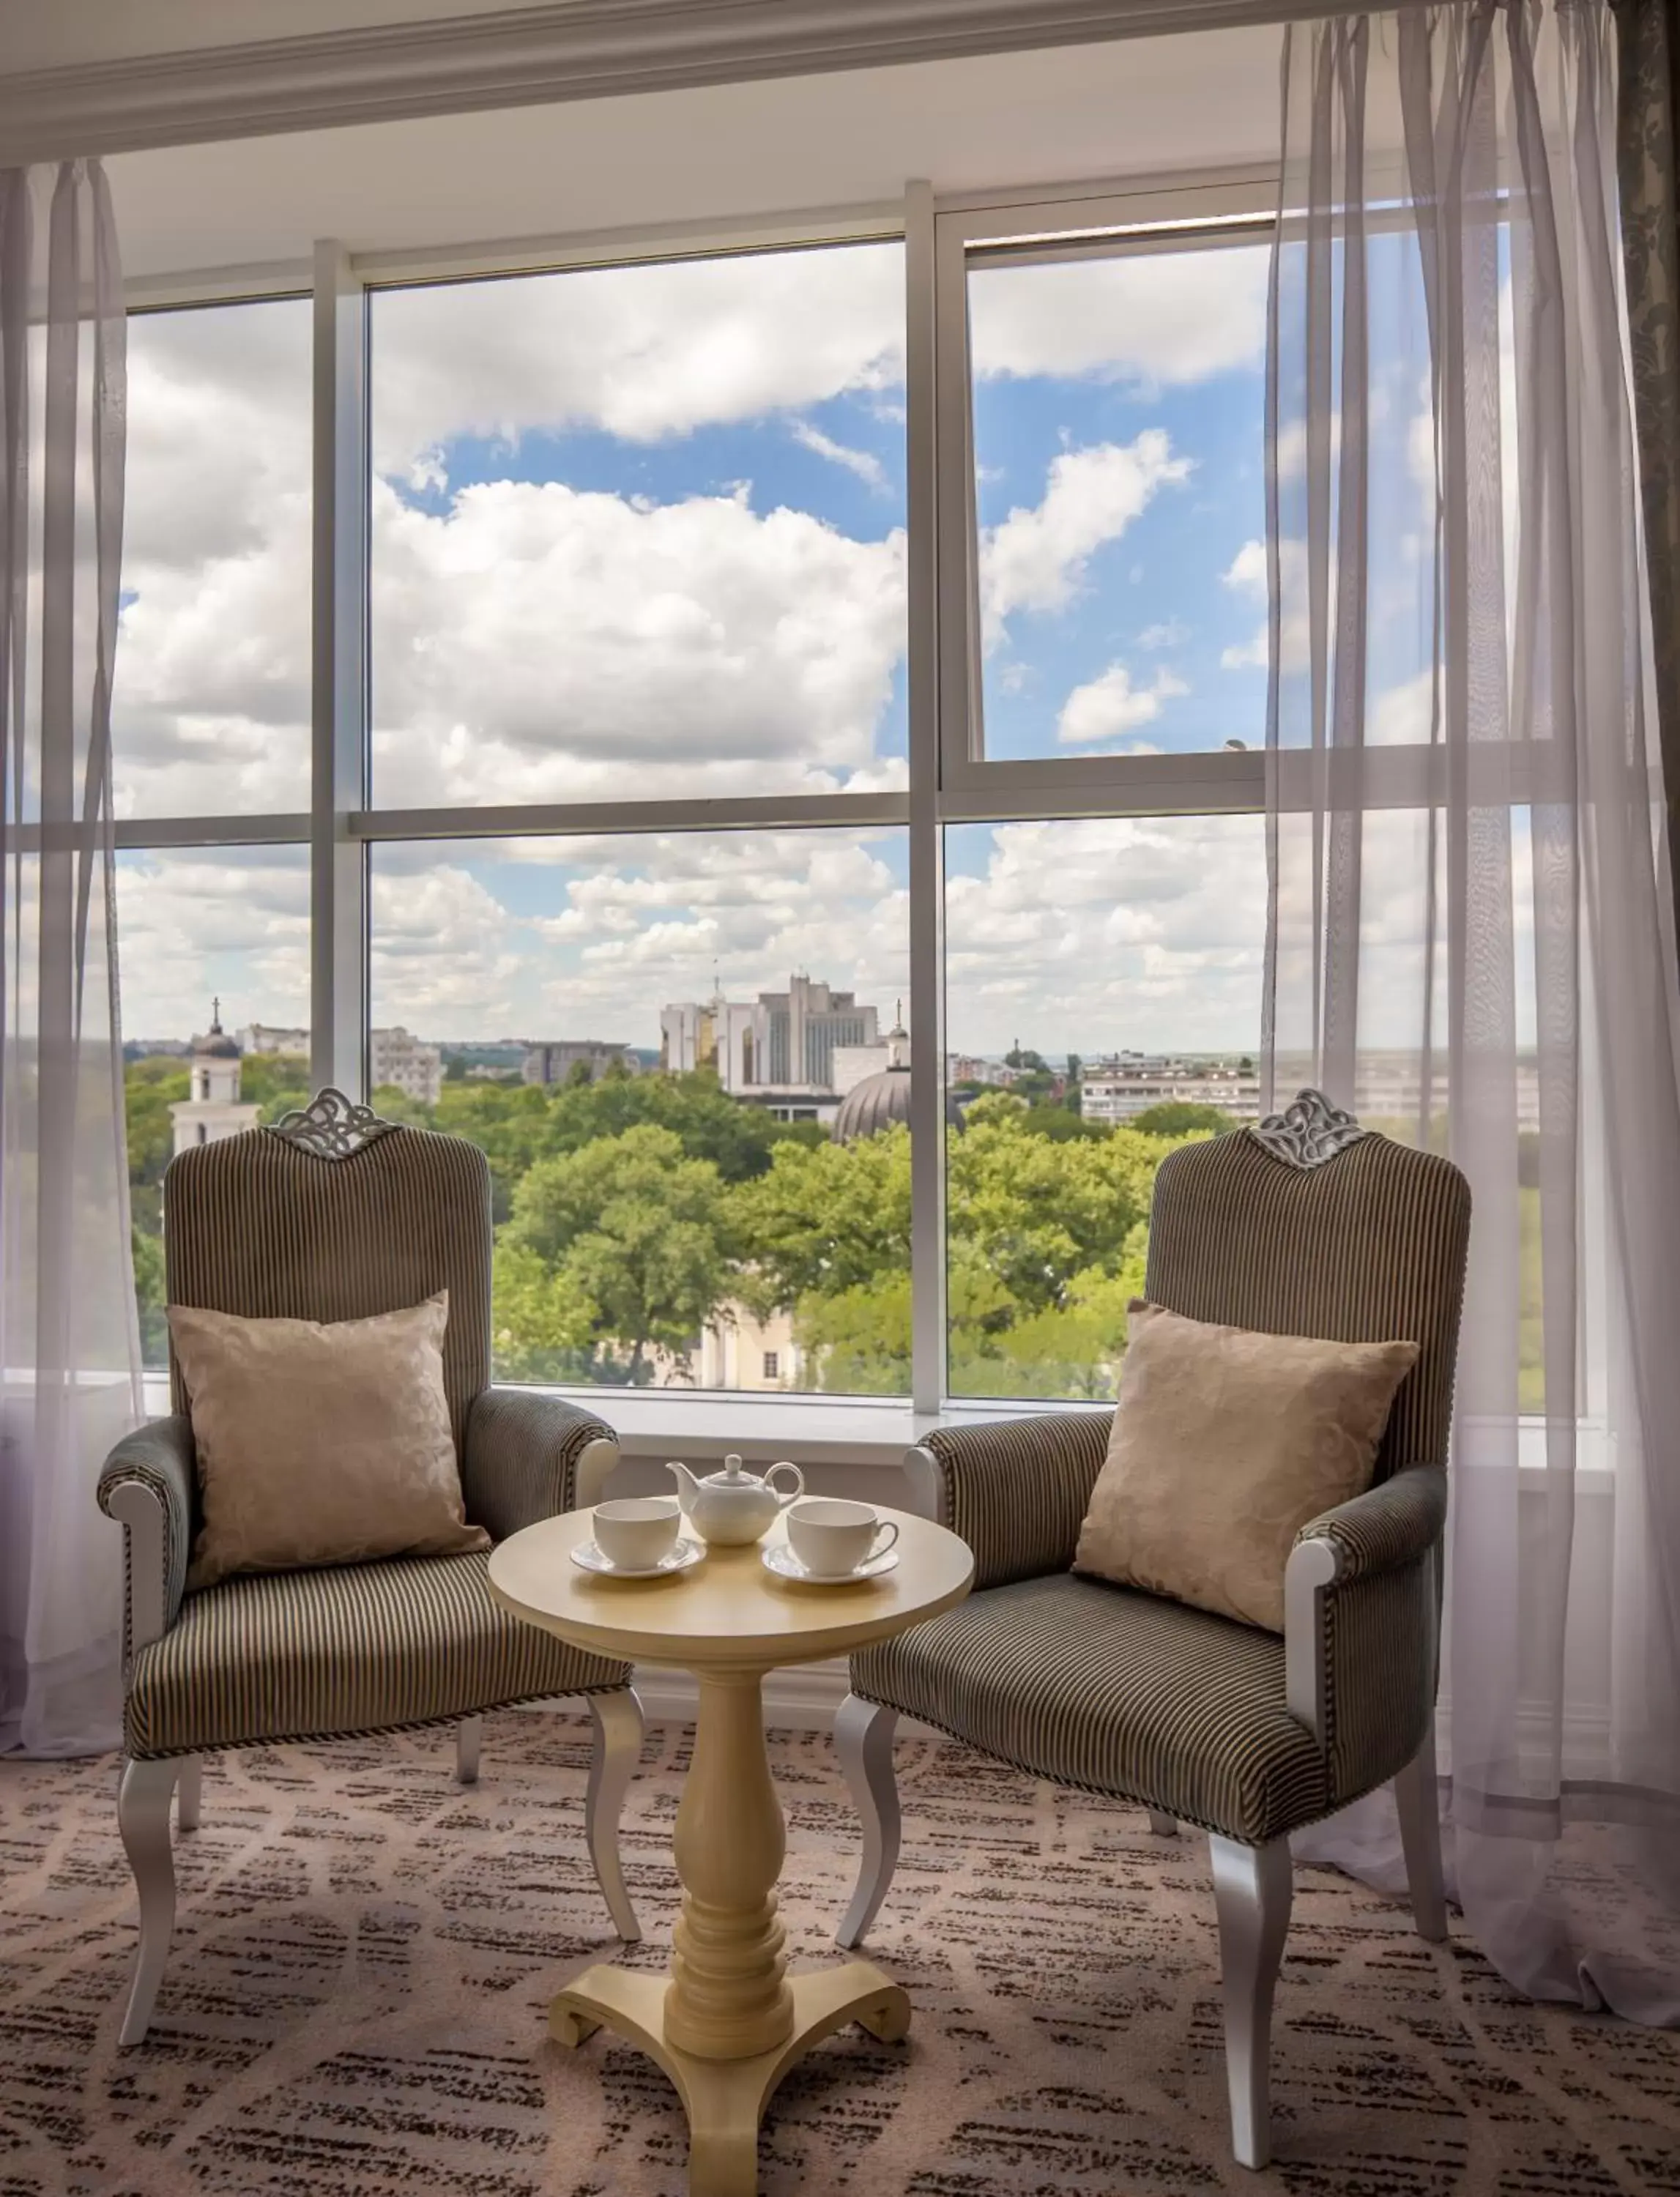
(637, 1530)
(832, 1539)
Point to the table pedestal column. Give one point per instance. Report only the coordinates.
(728, 1995)
(728, 2021)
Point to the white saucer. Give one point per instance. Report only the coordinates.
(778, 1557)
(588, 1557)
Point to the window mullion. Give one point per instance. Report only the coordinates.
(927, 879)
(339, 862)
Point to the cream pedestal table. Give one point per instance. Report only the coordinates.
(727, 2021)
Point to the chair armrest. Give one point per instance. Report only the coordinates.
(1016, 1490)
(529, 1456)
(1362, 1625)
(149, 1485)
(1395, 1522)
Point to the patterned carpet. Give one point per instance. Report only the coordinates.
(365, 1950)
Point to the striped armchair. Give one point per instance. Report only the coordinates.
(335, 1214)
(1308, 1225)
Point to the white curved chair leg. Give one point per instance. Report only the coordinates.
(188, 1791)
(618, 1724)
(863, 1739)
(469, 1736)
(142, 1818)
(1419, 1808)
(1163, 1825)
(1253, 1887)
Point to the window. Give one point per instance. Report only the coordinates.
(1103, 692)
(622, 1023)
(641, 526)
(637, 540)
(211, 740)
(209, 936)
(647, 799)
(211, 715)
(1102, 995)
(1118, 446)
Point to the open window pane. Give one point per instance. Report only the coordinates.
(638, 531)
(210, 707)
(1118, 410)
(677, 1053)
(1103, 1002)
(216, 989)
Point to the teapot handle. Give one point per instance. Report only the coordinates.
(785, 1465)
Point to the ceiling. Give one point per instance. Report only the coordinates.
(714, 154)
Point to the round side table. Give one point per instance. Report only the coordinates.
(726, 2020)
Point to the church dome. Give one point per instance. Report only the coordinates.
(878, 1102)
(873, 1105)
(215, 1044)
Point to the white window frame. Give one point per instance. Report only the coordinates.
(948, 784)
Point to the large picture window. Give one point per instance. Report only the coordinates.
(648, 774)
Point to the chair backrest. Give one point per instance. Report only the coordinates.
(267, 1225)
(1367, 1246)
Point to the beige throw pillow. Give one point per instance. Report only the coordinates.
(1224, 1444)
(320, 1445)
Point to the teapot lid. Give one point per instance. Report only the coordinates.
(733, 1475)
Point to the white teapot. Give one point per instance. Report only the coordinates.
(730, 1507)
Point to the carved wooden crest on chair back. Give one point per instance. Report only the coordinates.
(331, 1214)
(1311, 1225)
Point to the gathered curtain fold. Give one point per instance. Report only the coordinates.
(70, 1361)
(1470, 935)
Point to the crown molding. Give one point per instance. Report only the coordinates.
(567, 49)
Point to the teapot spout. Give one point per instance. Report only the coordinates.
(686, 1487)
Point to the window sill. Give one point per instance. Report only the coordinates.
(708, 1424)
(856, 1431)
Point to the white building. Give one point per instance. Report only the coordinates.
(779, 1047)
(213, 1109)
(854, 1063)
(1120, 1089)
(738, 1350)
(272, 1037)
(396, 1058)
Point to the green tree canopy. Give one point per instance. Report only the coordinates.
(1183, 1117)
(827, 1217)
(276, 1081)
(1034, 1212)
(633, 1230)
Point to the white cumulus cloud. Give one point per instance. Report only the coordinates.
(1154, 318)
(1110, 705)
(1035, 559)
(537, 643)
(644, 352)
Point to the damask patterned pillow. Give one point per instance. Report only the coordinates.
(320, 1444)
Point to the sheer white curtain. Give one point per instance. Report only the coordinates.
(1471, 936)
(69, 1347)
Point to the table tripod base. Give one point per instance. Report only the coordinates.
(725, 2099)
